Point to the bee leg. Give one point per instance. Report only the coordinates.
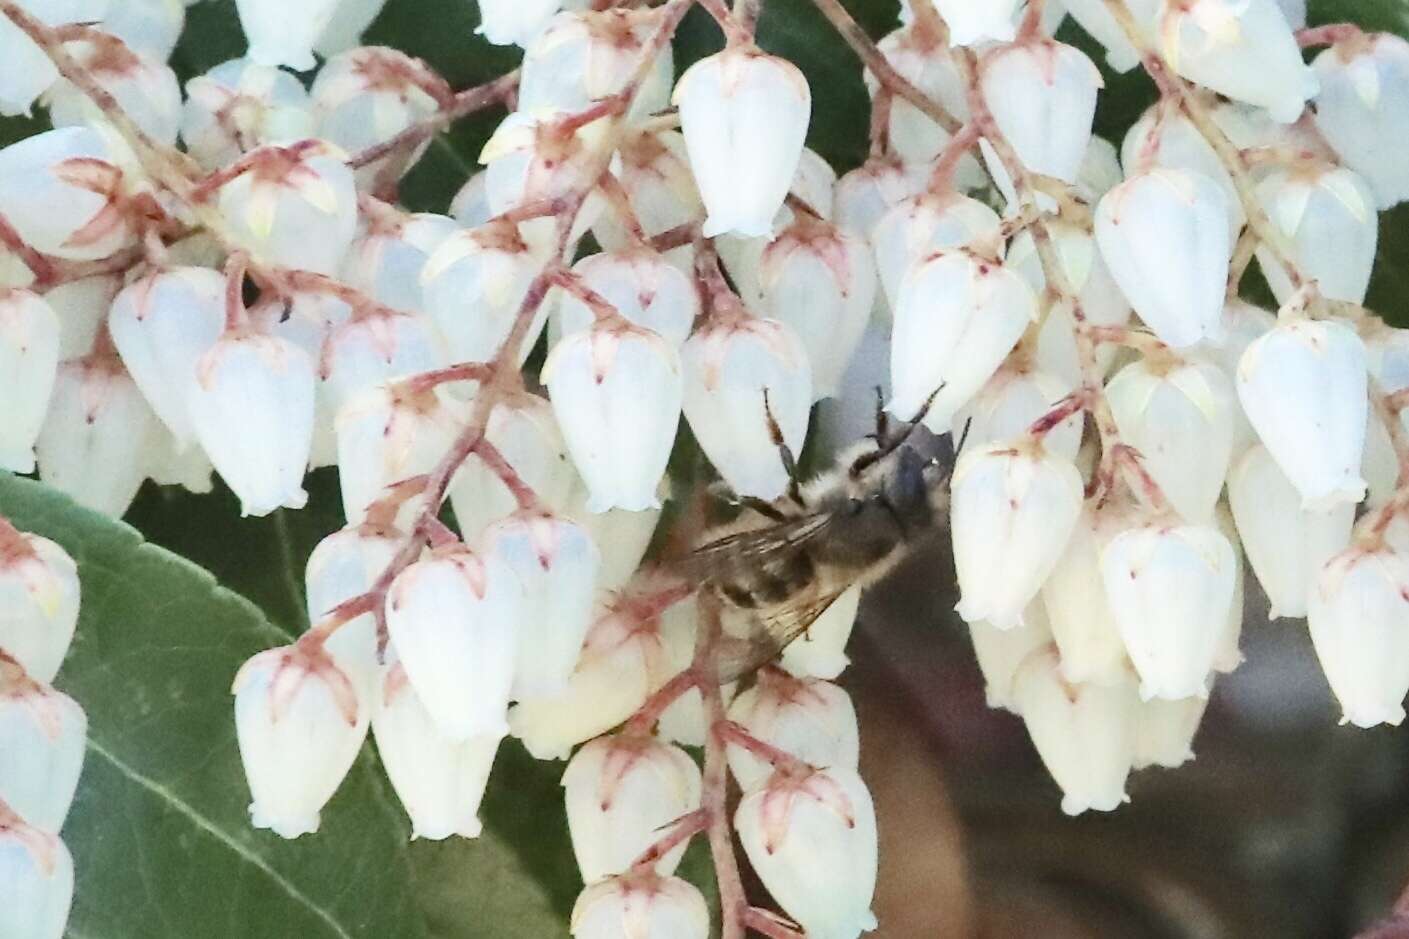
(882, 419)
(785, 452)
(720, 491)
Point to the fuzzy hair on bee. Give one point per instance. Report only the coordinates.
(777, 568)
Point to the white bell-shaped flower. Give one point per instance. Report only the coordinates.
(556, 562)
(1243, 49)
(738, 372)
(1327, 215)
(279, 36)
(1013, 507)
(474, 285)
(1164, 236)
(95, 435)
(389, 433)
(342, 566)
(928, 66)
(60, 190)
(958, 316)
(82, 306)
(1179, 415)
(251, 404)
(742, 107)
(1100, 170)
(522, 428)
(532, 158)
(812, 841)
(376, 347)
(918, 226)
(1000, 652)
(1084, 733)
(44, 732)
(240, 105)
(29, 360)
(623, 660)
(36, 879)
(470, 204)
(1083, 625)
(685, 720)
(514, 22)
(622, 792)
(1303, 387)
(1098, 21)
(144, 88)
(866, 193)
(820, 280)
(1007, 406)
(151, 27)
(162, 324)
(622, 536)
(366, 96)
(386, 261)
(1169, 588)
(295, 206)
(26, 72)
(643, 287)
(300, 722)
(640, 905)
(1164, 731)
(808, 718)
(583, 56)
(972, 22)
(1042, 95)
(616, 391)
(1359, 618)
(440, 781)
(352, 19)
(821, 651)
(1286, 544)
(1363, 108)
(454, 617)
(1164, 136)
(654, 171)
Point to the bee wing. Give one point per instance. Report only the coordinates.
(748, 551)
(773, 629)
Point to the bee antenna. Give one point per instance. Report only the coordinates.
(963, 436)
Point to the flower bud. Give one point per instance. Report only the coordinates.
(1327, 215)
(1169, 588)
(386, 261)
(1164, 731)
(514, 22)
(866, 193)
(622, 536)
(145, 89)
(470, 205)
(26, 72)
(1013, 509)
(522, 428)
(808, 718)
(366, 96)
(162, 324)
(44, 733)
(1000, 652)
(1363, 107)
(532, 157)
(375, 348)
(60, 191)
(912, 136)
(1179, 415)
(1083, 624)
(29, 360)
(240, 105)
(1242, 324)
(972, 22)
(640, 905)
(279, 36)
(251, 403)
(1287, 544)
(1042, 94)
(1303, 387)
(654, 171)
(957, 317)
(440, 781)
(349, 23)
(1359, 618)
(36, 880)
(454, 617)
(556, 562)
(616, 391)
(812, 841)
(95, 435)
(643, 287)
(1243, 49)
(151, 27)
(1164, 236)
(1010, 403)
(485, 272)
(623, 660)
(916, 227)
(584, 56)
(1085, 733)
(1165, 137)
(742, 107)
(300, 723)
(294, 206)
(738, 372)
(622, 793)
(342, 566)
(1096, 18)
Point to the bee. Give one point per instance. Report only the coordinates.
(776, 572)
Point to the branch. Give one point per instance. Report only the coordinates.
(733, 903)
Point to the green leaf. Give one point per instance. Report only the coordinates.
(160, 831)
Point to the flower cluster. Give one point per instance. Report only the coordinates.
(255, 304)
